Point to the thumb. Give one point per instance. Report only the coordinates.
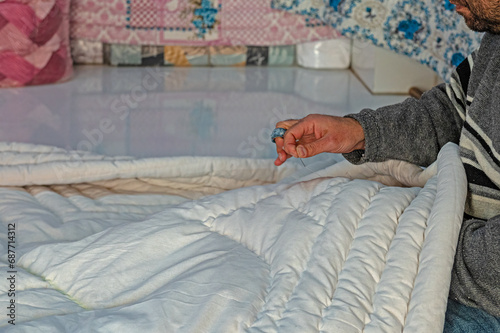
(310, 149)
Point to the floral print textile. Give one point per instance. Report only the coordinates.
(429, 31)
(192, 23)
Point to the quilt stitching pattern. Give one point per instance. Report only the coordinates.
(317, 241)
(258, 258)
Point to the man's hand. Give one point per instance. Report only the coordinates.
(317, 134)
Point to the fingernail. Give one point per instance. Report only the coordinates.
(282, 157)
(301, 151)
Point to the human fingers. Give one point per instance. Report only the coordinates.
(313, 148)
(286, 124)
(293, 135)
(282, 155)
(316, 134)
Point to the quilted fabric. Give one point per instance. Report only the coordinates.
(86, 52)
(338, 253)
(429, 31)
(191, 23)
(34, 42)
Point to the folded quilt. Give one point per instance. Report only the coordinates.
(91, 52)
(192, 22)
(227, 245)
(428, 31)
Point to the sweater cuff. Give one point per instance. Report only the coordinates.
(372, 135)
(355, 157)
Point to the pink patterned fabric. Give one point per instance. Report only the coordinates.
(192, 22)
(34, 42)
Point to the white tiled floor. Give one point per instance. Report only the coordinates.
(177, 111)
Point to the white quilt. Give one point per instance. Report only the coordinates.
(226, 245)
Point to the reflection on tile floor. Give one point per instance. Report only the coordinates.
(148, 112)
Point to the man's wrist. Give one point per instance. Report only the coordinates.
(357, 133)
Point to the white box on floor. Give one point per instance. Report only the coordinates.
(385, 72)
(325, 54)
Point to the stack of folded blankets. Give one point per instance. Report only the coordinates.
(189, 33)
(88, 52)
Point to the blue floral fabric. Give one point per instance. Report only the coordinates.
(204, 17)
(429, 31)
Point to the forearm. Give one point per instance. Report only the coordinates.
(413, 131)
(475, 277)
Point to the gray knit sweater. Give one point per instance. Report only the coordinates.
(465, 111)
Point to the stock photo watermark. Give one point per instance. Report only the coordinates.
(11, 273)
(255, 144)
(121, 107)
